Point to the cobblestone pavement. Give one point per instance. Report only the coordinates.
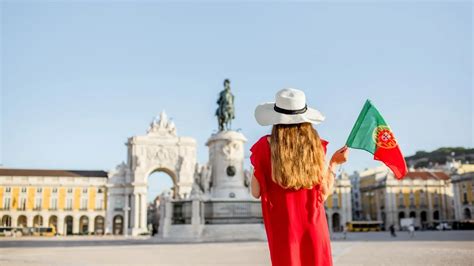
(427, 248)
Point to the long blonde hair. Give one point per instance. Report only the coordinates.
(297, 156)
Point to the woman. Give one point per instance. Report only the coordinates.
(292, 180)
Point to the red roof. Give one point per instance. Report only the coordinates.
(438, 175)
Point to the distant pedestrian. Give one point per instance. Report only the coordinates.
(344, 231)
(392, 231)
(411, 230)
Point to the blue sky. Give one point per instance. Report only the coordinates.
(78, 79)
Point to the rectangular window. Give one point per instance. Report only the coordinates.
(8, 189)
(38, 203)
(69, 190)
(54, 203)
(22, 204)
(84, 190)
(84, 204)
(55, 190)
(99, 203)
(39, 190)
(23, 190)
(6, 204)
(69, 204)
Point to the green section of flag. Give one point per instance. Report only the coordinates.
(361, 136)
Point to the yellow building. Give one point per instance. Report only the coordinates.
(338, 204)
(425, 196)
(463, 188)
(71, 202)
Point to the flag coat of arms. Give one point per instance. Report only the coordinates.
(372, 133)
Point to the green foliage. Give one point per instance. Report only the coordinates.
(440, 156)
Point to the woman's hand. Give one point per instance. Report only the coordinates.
(340, 156)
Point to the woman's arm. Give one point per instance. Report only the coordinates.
(255, 187)
(329, 180)
(339, 157)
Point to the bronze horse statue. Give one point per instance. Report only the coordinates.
(225, 111)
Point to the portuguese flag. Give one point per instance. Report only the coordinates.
(371, 133)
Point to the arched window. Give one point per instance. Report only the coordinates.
(22, 221)
(37, 221)
(7, 221)
(336, 222)
(99, 225)
(118, 225)
(84, 225)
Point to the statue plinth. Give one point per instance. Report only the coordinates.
(226, 157)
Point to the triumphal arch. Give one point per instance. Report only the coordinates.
(160, 149)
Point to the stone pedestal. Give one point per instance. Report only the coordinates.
(226, 156)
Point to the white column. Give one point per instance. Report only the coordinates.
(377, 205)
(329, 214)
(14, 220)
(457, 202)
(430, 206)
(136, 212)
(75, 224)
(91, 225)
(29, 221)
(60, 226)
(125, 215)
(143, 224)
(392, 208)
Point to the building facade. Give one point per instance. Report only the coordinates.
(71, 202)
(424, 195)
(208, 200)
(338, 204)
(357, 213)
(463, 193)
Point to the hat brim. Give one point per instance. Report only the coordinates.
(266, 115)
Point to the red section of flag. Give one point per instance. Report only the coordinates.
(393, 158)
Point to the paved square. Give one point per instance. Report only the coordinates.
(427, 248)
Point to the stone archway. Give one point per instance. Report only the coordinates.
(6, 221)
(84, 225)
(22, 221)
(171, 175)
(68, 224)
(53, 222)
(99, 223)
(38, 221)
(159, 150)
(401, 215)
(336, 222)
(118, 225)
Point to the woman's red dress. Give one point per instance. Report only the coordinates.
(295, 220)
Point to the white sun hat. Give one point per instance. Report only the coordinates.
(289, 108)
